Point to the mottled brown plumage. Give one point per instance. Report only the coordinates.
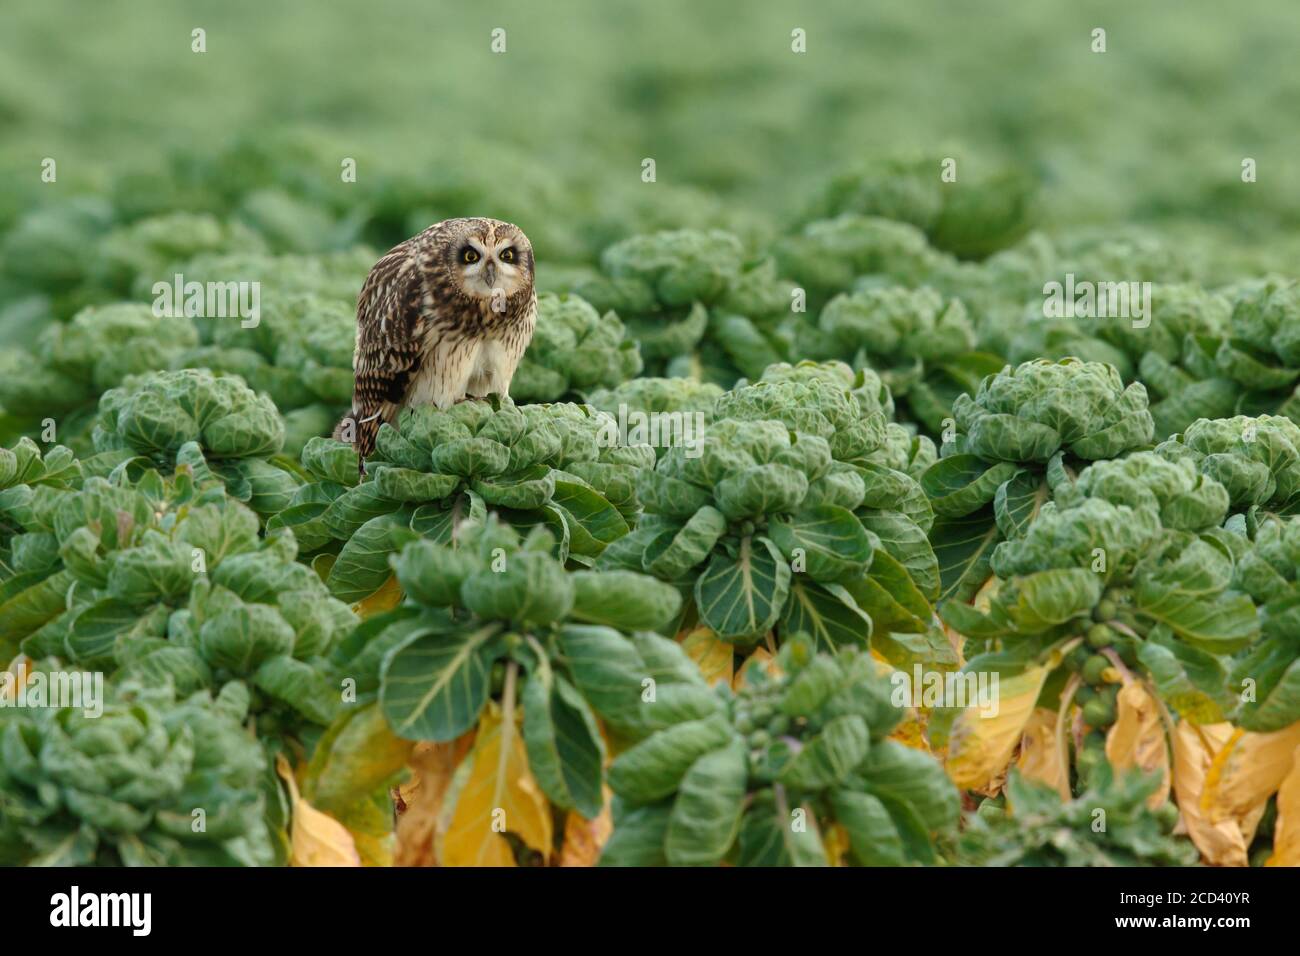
(444, 315)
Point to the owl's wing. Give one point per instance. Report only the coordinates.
(390, 333)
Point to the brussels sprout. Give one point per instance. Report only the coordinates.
(825, 760)
(1257, 460)
(1058, 835)
(829, 254)
(682, 267)
(1099, 636)
(119, 788)
(574, 349)
(531, 589)
(1095, 669)
(1099, 712)
(1029, 413)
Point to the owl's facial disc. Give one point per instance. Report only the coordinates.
(477, 271)
(488, 271)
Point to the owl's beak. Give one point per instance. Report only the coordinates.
(489, 274)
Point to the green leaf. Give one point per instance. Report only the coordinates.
(354, 508)
(304, 520)
(593, 521)
(830, 541)
(654, 768)
(332, 460)
(623, 599)
(531, 488)
(665, 495)
(760, 490)
(742, 597)
(890, 597)
(300, 686)
(1048, 598)
(895, 771)
(435, 684)
(676, 551)
(769, 838)
(1017, 502)
(1273, 666)
(638, 837)
(532, 588)
(827, 613)
(706, 814)
(908, 543)
(432, 573)
(1216, 621)
(930, 646)
(354, 759)
(30, 608)
(94, 629)
(1190, 681)
(565, 749)
(1183, 587)
(241, 637)
(410, 486)
(873, 838)
(470, 457)
(362, 566)
(917, 844)
(829, 757)
(963, 548)
(617, 675)
(960, 484)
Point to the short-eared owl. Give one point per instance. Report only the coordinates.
(444, 315)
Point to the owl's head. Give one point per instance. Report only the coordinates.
(487, 257)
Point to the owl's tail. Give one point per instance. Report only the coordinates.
(360, 430)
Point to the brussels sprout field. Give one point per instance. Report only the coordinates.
(883, 485)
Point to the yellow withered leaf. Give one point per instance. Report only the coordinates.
(433, 765)
(982, 601)
(989, 590)
(836, 843)
(386, 598)
(910, 732)
(492, 793)
(981, 742)
(1247, 771)
(957, 641)
(1137, 738)
(1223, 843)
(761, 658)
(1286, 835)
(995, 786)
(354, 758)
(371, 826)
(714, 656)
(585, 839)
(16, 675)
(1040, 752)
(316, 838)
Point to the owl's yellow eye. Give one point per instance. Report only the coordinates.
(508, 255)
(468, 255)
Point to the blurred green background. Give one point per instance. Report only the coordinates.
(740, 127)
